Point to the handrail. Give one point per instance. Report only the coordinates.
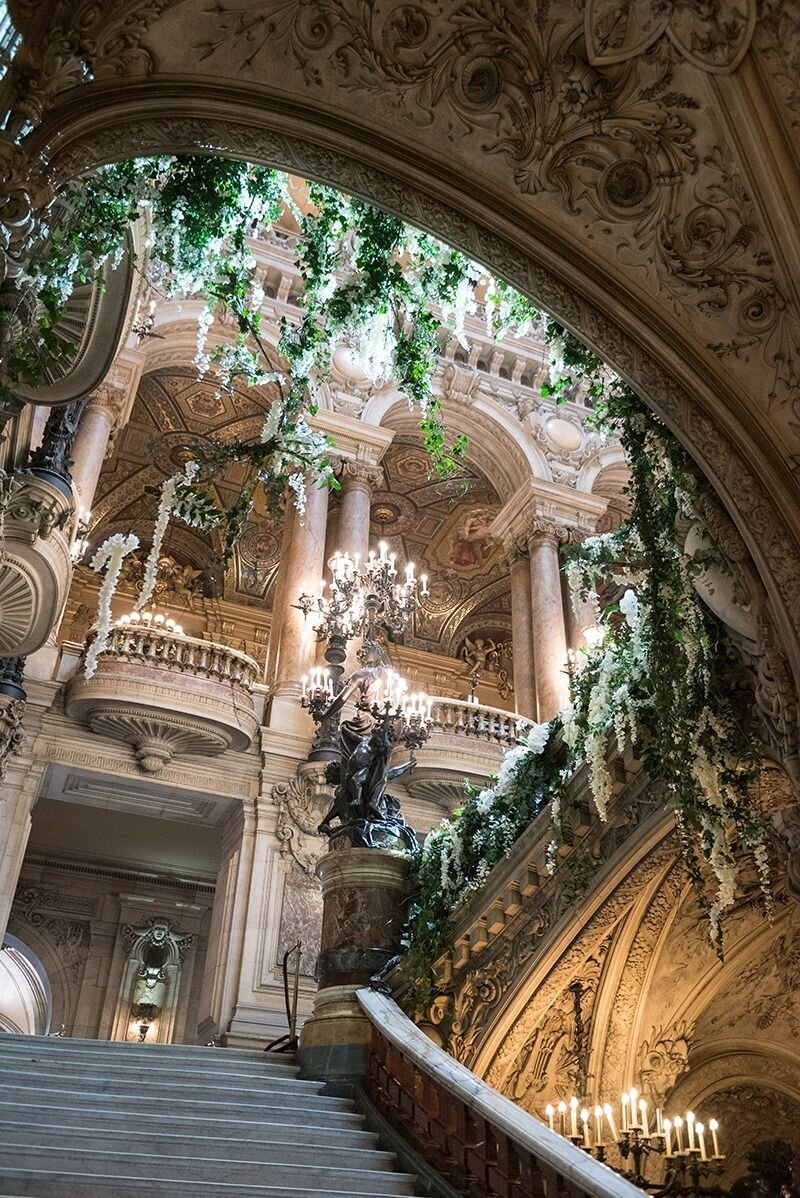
(483, 1141)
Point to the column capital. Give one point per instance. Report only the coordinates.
(514, 548)
(358, 474)
(352, 439)
(545, 509)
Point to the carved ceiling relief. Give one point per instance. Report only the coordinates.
(599, 113)
(174, 411)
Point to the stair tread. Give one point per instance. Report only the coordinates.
(59, 1043)
(148, 1187)
(214, 1144)
(353, 1128)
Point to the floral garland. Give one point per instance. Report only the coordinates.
(109, 557)
(651, 680)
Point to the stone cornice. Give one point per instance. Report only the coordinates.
(548, 509)
(353, 441)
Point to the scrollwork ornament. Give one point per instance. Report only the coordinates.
(11, 734)
(301, 804)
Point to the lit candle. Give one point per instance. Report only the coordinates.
(609, 1114)
(562, 1112)
(690, 1129)
(659, 1122)
(634, 1095)
(424, 589)
(548, 1110)
(678, 1124)
(701, 1140)
(598, 1125)
(713, 1125)
(587, 1131)
(668, 1137)
(643, 1117)
(573, 1116)
(624, 1100)
(383, 547)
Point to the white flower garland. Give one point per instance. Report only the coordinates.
(165, 508)
(110, 556)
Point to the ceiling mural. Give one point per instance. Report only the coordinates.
(173, 411)
(443, 526)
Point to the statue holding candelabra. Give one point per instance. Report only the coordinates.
(360, 602)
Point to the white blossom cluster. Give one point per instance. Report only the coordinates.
(109, 557)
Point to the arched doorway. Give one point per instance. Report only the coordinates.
(26, 1002)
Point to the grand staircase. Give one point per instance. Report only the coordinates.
(96, 1119)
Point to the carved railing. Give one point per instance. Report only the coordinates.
(459, 718)
(479, 1141)
(168, 695)
(187, 654)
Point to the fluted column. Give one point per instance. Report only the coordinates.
(522, 630)
(547, 612)
(292, 639)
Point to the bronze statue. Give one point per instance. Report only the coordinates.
(362, 811)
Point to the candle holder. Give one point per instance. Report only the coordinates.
(360, 599)
(689, 1170)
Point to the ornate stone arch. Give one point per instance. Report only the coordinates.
(613, 257)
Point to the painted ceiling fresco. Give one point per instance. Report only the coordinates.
(172, 412)
(443, 527)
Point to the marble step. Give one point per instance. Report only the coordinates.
(212, 1064)
(37, 1183)
(289, 1092)
(114, 1047)
(302, 1150)
(336, 1128)
(162, 1072)
(66, 1158)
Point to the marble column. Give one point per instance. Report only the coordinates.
(547, 612)
(301, 568)
(357, 481)
(522, 630)
(90, 445)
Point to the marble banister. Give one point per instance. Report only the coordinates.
(479, 1141)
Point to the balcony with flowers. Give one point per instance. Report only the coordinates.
(165, 693)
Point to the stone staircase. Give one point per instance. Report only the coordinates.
(100, 1119)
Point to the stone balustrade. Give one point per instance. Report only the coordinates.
(168, 695)
(188, 654)
(457, 717)
(467, 740)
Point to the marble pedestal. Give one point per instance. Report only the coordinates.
(363, 892)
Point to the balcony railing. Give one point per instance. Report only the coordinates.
(186, 654)
(460, 718)
(168, 695)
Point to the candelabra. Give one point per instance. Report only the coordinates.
(688, 1166)
(150, 618)
(360, 599)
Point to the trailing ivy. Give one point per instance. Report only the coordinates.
(652, 679)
